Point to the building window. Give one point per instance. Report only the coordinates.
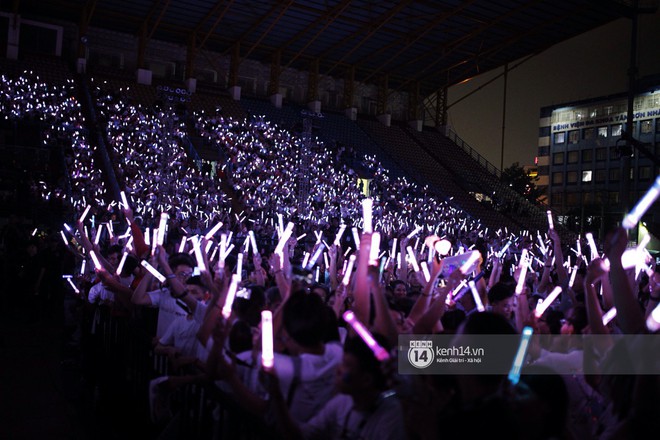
(572, 177)
(644, 173)
(573, 136)
(557, 178)
(587, 155)
(587, 198)
(615, 174)
(616, 129)
(557, 199)
(602, 132)
(646, 127)
(560, 137)
(600, 176)
(587, 176)
(558, 158)
(614, 197)
(601, 154)
(544, 151)
(589, 133)
(573, 156)
(572, 199)
(615, 154)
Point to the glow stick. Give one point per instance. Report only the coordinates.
(280, 222)
(573, 275)
(222, 256)
(342, 228)
(98, 234)
(154, 241)
(551, 224)
(315, 257)
(425, 271)
(162, 227)
(413, 233)
(229, 301)
(348, 271)
(442, 247)
(152, 270)
(413, 259)
(454, 293)
(325, 260)
(283, 238)
(267, 355)
(95, 259)
(239, 266)
(147, 237)
(319, 236)
(300, 237)
(66, 242)
(472, 259)
(82, 267)
(514, 373)
(124, 199)
(609, 315)
(367, 205)
(347, 252)
(253, 241)
(592, 246)
(632, 218)
(182, 245)
(356, 238)
(653, 321)
(393, 251)
(213, 230)
(378, 351)
(198, 254)
(306, 256)
(84, 214)
(121, 263)
(34, 232)
(75, 289)
(375, 249)
(476, 296)
(521, 277)
(579, 247)
(503, 250)
(541, 307)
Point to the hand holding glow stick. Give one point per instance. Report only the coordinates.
(267, 354)
(349, 270)
(95, 259)
(342, 228)
(84, 214)
(653, 321)
(520, 285)
(413, 259)
(231, 294)
(375, 249)
(476, 296)
(634, 216)
(592, 245)
(551, 224)
(213, 230)
(284, 238)
(197, 247)
(425, 270)
(73, 286)
(162, 228)
(153, 271)
(609, 316)
(541, 307)
(378, 351)
(121, 263)
(414, 232)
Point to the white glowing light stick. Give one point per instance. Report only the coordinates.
(73, 286)
(413, 259)
(503, 250)
(551, 224)
(342, 228)
(632, 218)
(239, 266)
(213, 230)
(253, 241)
(514, 373)
(267, 354)
(121, 263)
(182, 245)
(147, 237)
(98, 234)
(367, 205)
(231, 294)
(573, 275)
(356, 238)
(154, 241)
(66, 242)
(393, 251)
(283, 238)
(476, 296)
(162, 227)
(153, 271)
(306, 256)
(592, 245)
(521, 277)
(348, 271)
(425, 270)
(378, 351)
(95, 259)
(414, 232)
(375, 249)
(579, 247)
(472, 259)
(84, 214)
(82, 267)
(653, 321)
(542, 306)
(198, 254)
(609, 315)
(124, 199)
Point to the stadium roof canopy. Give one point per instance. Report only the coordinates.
(434, 43)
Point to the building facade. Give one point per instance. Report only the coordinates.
(583, 159)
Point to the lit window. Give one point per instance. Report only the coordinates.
(616, 130)
(573, 136)
(560, 137)
(602, 132)
(587, 176)
(646, 126)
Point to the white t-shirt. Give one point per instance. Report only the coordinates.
(316, 382)
(168, 309)
(339, 420)
(182, 335)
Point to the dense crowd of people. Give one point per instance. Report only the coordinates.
(264, 304)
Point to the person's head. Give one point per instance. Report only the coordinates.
(113, 255)
(451, 320)
(542, 403)
(399, 289)
(501, 299)
(359, 370)
(575, 320)
(130, 265)
(196, 288)
(273, 298)
(321, 290)
(303, 320)
(182, 265)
